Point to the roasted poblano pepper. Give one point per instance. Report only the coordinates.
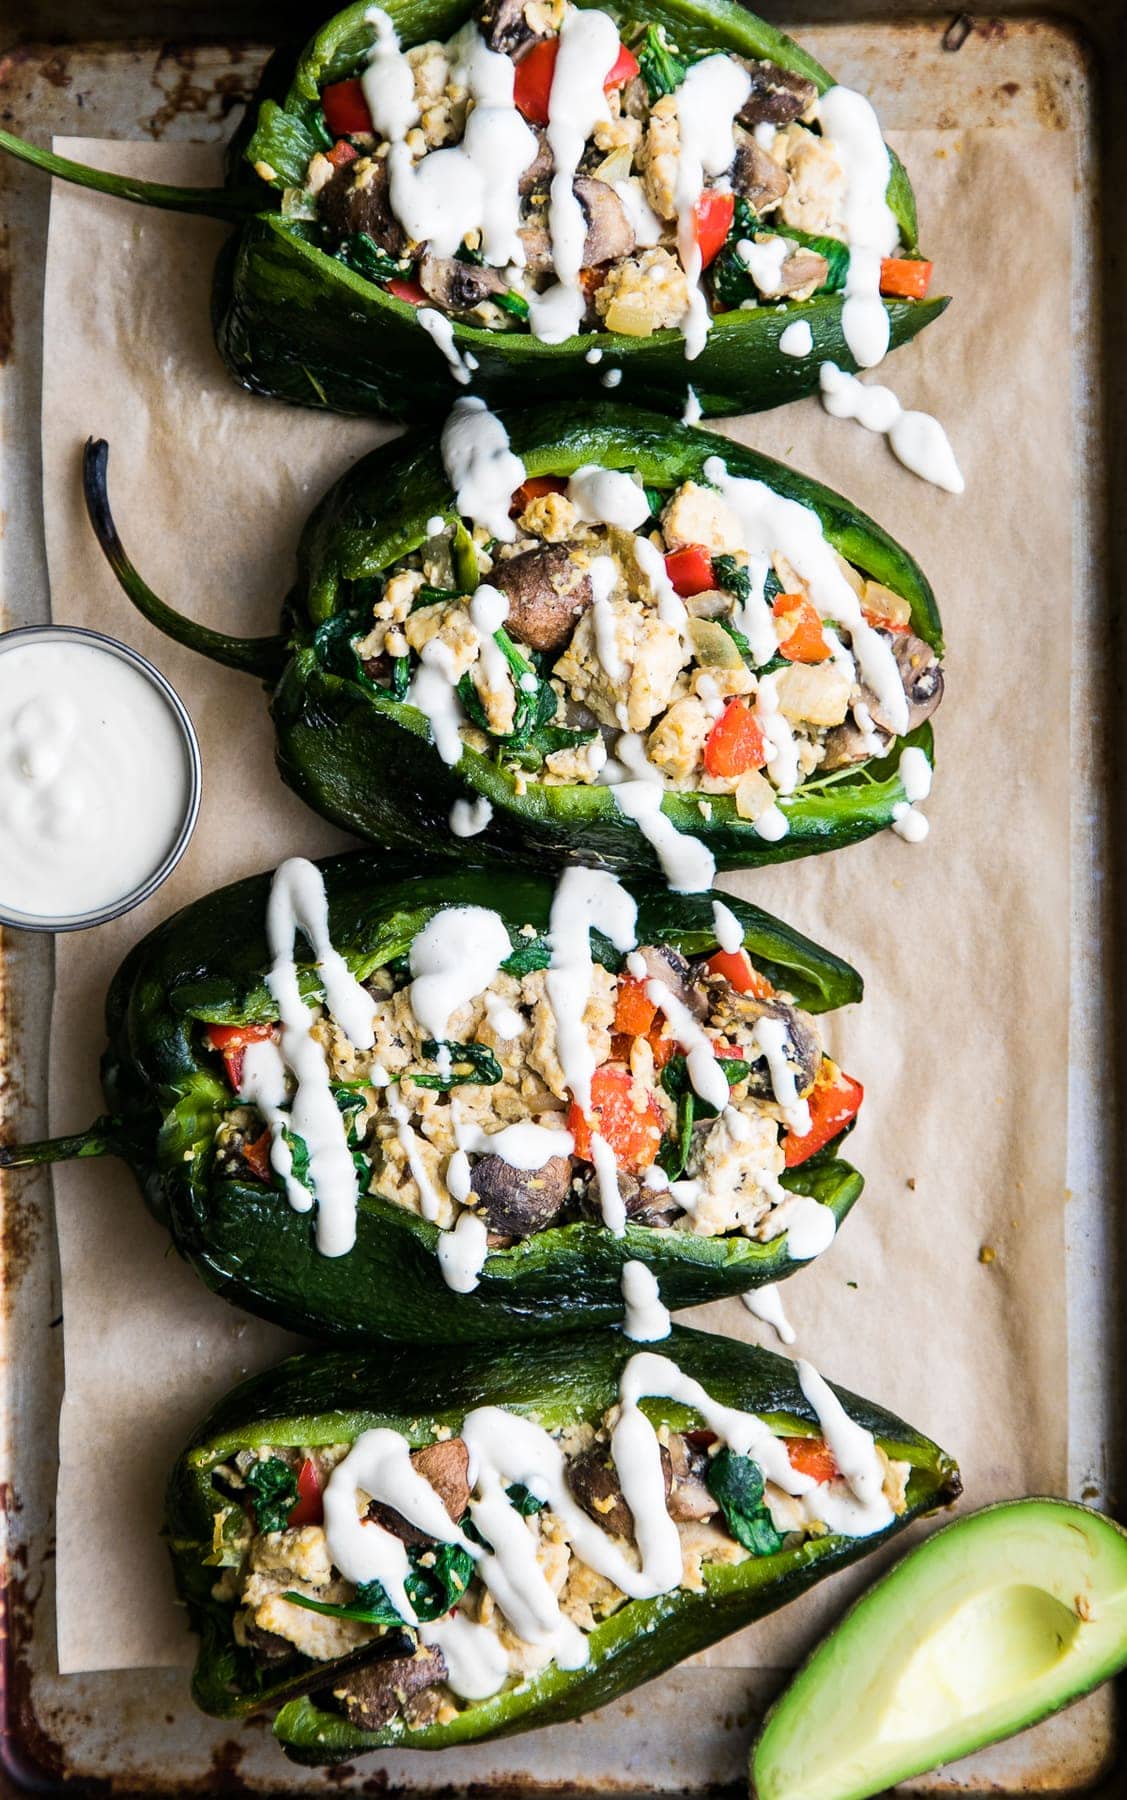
(294, 320)
(169, 1097)
(315, 1401)
(364, 757)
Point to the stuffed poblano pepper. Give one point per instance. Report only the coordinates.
(597, 633)
(472, 1106)
(423, 1552)
(541, 198)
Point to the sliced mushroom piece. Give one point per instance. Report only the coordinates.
(446, 1466)
(373, 1695)
(689, 1497)
(847, 744)
(802, 1048)
(518, 1202)
(801, 274)
(536, 242)
(546, 592)
(777, 97)
(593, 1480)
(758, 177)
(539, 171)
(504, 26)
(922, 675)
(268, 1646)
(361, 202)
(610, 235)
(667, 965)
(457, 286)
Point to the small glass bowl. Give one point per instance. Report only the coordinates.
(78, 634)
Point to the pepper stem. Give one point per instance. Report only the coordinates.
(229, 204)
(99, 1139)
(252, 656)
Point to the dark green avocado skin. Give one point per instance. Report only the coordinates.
(332, 1396)
(293, 322)
(208, 963)
(366, 761)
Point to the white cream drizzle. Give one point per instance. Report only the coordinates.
(607, 497)
(691, 411)
(480, 467)
(388, 80)
(766, 1303)
(452, 959)
(916, 438)
(772, 522)
(708, 100)
(647, 1319)
(462, 1253)
(586, 900)
(430, 1200)
(729, 931)
(298, 902)
(809, 1226)
(441, 328)
(908, 823)
(706, 1076)
(588, 49)
(687, 864)
(505, 1448)
(671, 609)
(850, 124)
(797, 339)
(468, 818)
(769, 1037)
(432, 691)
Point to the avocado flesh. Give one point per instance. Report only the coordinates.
(995, 1622)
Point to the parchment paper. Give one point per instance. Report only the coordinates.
(962, 1040)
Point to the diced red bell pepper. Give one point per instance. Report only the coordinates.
(534, 488)
(532, 84)
(635, 1137)
(834, 1101)
(811, 1456)
(633, 1009)
(257, 1155)
(905, 278)
(690, 570)
(735, 743)
(736, 966)
(409, 291)
(727, 1052)
(804, 640)
(623, 69)
(341, 153)
(345, 108)
(662, 1047)
(231, 1042)
(309, 1508)
(712, 221)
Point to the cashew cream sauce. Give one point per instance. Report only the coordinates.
(506, 1448)
(94, 779)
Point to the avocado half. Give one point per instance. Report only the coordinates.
(997, 1621)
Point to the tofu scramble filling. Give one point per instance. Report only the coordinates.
(437, 1574)
(567, 170)
(498, 1085)
(706, 639)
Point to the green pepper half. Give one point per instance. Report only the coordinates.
(167, 1098)
(330, 1398)
(293, 322)
(365, 760)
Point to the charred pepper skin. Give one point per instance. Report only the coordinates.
(292, 322)
(166, 1095)
(365, 760)
(331, 1397)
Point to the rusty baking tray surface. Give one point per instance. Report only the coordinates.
(137, 1732)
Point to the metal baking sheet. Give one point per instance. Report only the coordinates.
(138, 1732)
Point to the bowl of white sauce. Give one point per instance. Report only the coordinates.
(100, 778)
